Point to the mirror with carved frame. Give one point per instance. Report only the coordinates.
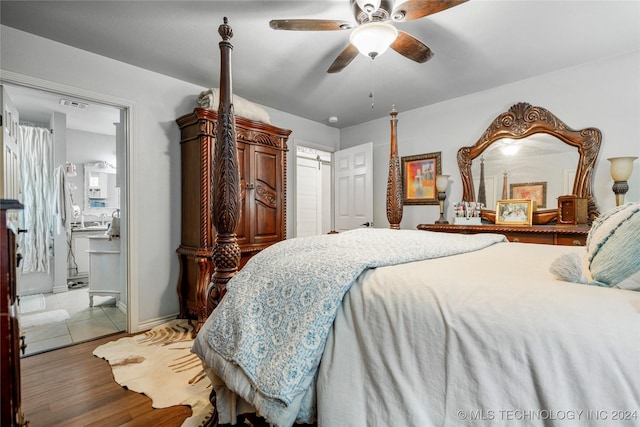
(520, 122)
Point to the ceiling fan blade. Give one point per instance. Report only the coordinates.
(409, 46)
(344, 59)
(415, 9)
(310, 24)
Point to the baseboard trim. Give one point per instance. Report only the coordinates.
(145, 326)
(60, 288)
(123, 307)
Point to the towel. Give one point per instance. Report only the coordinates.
(61, 201)
(114, 229)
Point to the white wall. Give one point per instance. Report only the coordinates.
(155, 166)
(58, 124)
(603, 94)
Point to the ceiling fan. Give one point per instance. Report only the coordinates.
(373, 32)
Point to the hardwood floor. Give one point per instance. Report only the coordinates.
(72, 387)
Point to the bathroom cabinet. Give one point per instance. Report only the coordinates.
(263, 163)
(104, 265)
(79, 270)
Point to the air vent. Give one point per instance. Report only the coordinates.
(74, 104)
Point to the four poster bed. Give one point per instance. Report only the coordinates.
(383, 327)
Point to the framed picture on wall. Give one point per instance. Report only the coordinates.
(530, 190)
(419, 178)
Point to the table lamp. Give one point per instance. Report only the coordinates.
(441, 186)
(621, 168)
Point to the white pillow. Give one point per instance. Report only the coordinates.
(210, 99)
(631, 283)
(613, 247)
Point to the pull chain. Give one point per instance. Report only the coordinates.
(371, 93)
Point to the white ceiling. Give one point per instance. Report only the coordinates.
(37, 106)
(478, 45)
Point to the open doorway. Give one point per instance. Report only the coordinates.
(80, 290)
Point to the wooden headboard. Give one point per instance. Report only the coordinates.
(226, 180)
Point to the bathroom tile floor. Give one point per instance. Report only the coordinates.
(85, 323)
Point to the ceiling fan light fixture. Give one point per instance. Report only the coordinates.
(368, 6)
(509, 147)
(373, 38)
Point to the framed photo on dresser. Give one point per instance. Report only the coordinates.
(515, 211)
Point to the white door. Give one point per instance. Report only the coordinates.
(308, 197)
(10, 177)
(354, 187)
(313, 192)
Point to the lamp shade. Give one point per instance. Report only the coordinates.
(621, 167)
(441, 183)
(373, 38)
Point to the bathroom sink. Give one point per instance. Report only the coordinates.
(91, 228)
(96, 227)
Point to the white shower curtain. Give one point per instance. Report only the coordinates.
(36, 150)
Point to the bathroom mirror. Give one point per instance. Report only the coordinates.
(100, 193)
(550, 160)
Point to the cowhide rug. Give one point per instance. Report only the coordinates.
(158, 363)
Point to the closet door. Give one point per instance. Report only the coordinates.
(308, 197)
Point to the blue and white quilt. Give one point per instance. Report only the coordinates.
(272, 324)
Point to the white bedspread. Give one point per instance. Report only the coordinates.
(266, 337)
(483, 338)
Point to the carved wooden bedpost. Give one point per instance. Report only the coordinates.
(226, 181)
(394, 182)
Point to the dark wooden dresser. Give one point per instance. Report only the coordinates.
(565, 235)
(10, 340)
(263, 163)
